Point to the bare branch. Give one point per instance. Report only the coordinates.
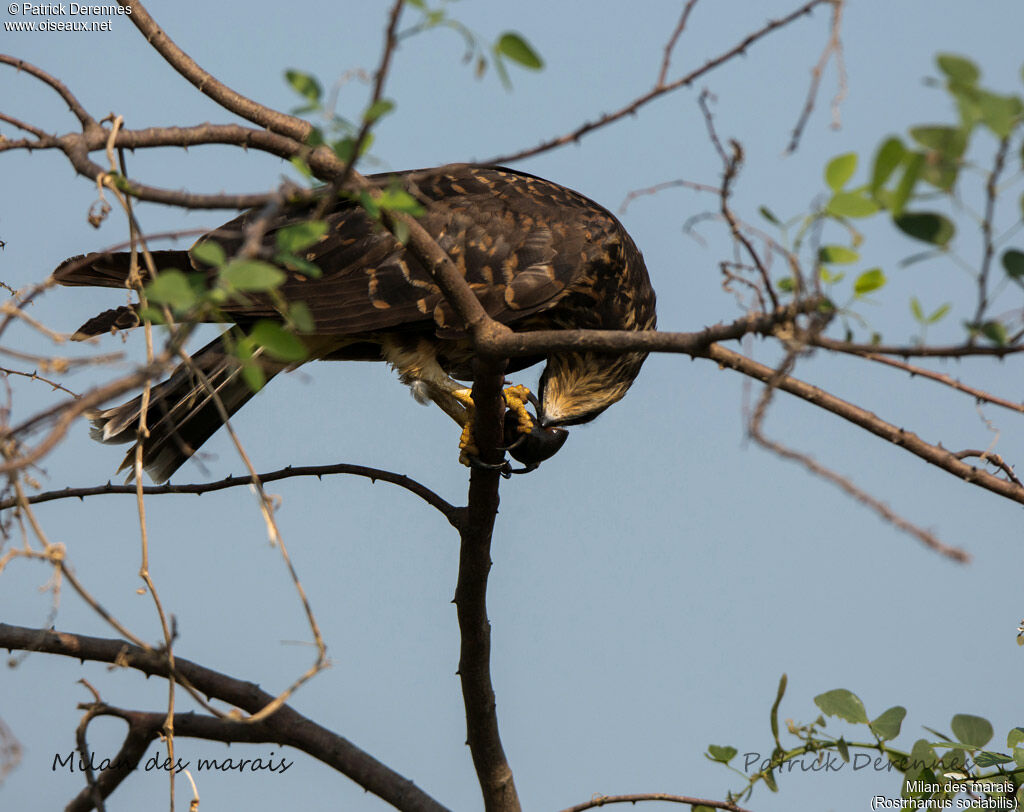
(934, 454)
(993, 458)
(659, 90)
(209, 85)
(492, 769)
(834, 46)
(991, 193)
(288, 726)
(75, 106)
(452, 513)
(914, 351)
(605, 800)
(671, 44)
(756, 431)
(519, 344)
(946, 380)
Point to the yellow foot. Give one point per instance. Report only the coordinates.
(516, 398)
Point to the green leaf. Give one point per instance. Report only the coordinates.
(779, 693)
(939, 313)
(840, 169)
(837, 254)
(397, 199)
(768, 215)
(922, 761)
(830, 278)
(1015, 737)
(378, 109)
(208, 252)
(173, 289)
(517, 49)
(1013, 263)
(787, 284)
(947, 141)
(721, 754)
(296, 237)
(1000, 113)
(251, 275)
(300, 317)
(905, 188)
(253, 375)
(927, 227)
(987, 758)
(842, 703)
(972, 730)
(296, 263)
(305, 85)
(915, 309)
(889, 156)
(278, 342)
(302, 167)
(844, 749)
(769, 780)
(994, 331)
(852, 204)
(345, 148)
(958, 68)
(887, 725)
(866, 283)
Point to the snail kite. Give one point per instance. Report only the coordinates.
(538, 256)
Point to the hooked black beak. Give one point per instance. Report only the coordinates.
(542, 443)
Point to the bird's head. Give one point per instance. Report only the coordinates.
(574, 389)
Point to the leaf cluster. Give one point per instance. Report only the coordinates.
(940, 768)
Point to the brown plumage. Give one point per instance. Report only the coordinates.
(538, 256)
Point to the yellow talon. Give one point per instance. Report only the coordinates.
(516, 398)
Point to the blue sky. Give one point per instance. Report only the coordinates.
(651, 582)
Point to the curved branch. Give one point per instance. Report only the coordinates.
(288, 726)
(659, 89)
(605, 800)
(452, 513)
(209, 85)
(979, 395)
(74, 105)
(934, 454)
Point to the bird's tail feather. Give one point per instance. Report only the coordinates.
(112, 270)
(183, 412)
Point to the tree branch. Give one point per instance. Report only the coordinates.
(659, 89)
(492, 769)
(452, 513)
(605, 800)
(288, 726)
(934, 454)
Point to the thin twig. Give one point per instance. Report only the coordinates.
(449, 511)
(756, 431)
(991, 194)
(946, 380)
(833, 46)
(658, 91)
(929, 452)
(639, 797)
(670, 46)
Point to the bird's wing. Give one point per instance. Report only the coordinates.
(520, 242)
